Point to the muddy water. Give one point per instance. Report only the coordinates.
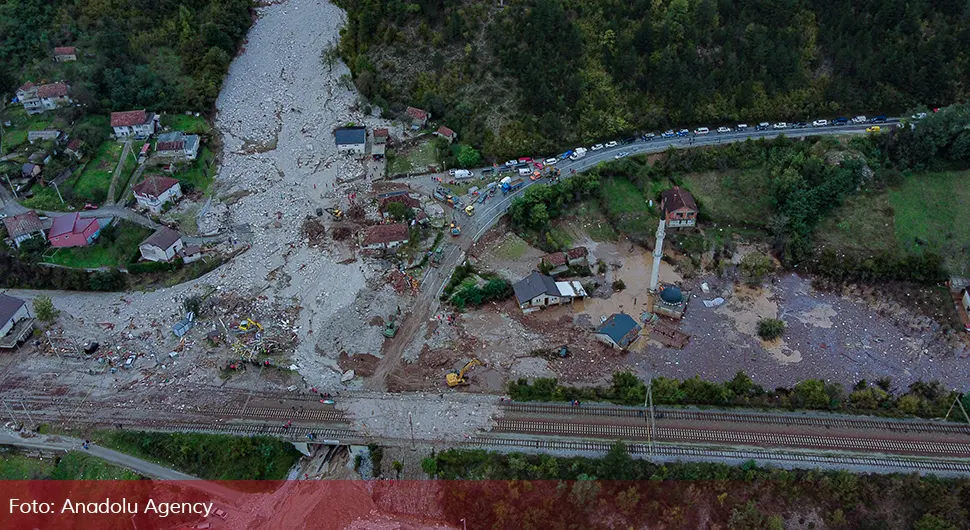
(636, 265)
(746, 308)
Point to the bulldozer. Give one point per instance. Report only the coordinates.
(337, 213)
(458, 378)
(250, 325)
(455, 229)
(436, 258)
(391, 328)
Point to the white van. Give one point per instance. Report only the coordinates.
(525, 172)
(462, 174)
(701, 130)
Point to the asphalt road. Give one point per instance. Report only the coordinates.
(487, 214)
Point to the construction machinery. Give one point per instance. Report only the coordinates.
(455, 229)
(470, 210)
(250, 325)
(337, 213)
(458, 378)
(390, 329)
(436, 258)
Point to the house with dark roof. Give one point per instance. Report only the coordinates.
(537, 291)
(15, 321)
(619, 331)
(384, 237)
(63, 54)
(154, 192)
(72, 231)
(405, 199)
(24, 226)
(418, 117)
(29, 170)
(351, 139)
(678, 208)
(446, 133)
(558, 262)
(138, 123)
(46, 134)
(74, 148)
(177, 145)
(40, 98)
(163, 245)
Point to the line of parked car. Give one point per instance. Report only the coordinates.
(526, 163)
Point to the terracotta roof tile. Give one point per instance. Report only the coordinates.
(154, 186)
(129, 118)
(23, 224)
(385, 234)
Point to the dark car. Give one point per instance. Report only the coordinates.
(840, 121)
(628, 140)
(649, 136)
(799, 125)
(879, 119)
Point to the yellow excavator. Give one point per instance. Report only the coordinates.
(458, 378)
(250, 325)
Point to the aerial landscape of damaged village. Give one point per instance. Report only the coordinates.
(308, 259)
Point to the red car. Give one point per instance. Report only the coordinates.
(525, 159)
(538, 165)
(89, 206)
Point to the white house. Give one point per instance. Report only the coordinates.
(15, 321)
(137, 123)
(40, 98)
(177, 145)
(24, 226)
(351, 139)
(163, 245)
(537, 291)
(154, 192)
(384, 237)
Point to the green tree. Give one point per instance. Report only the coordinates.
(932, 522)
(400, 211)
(429, 465)
(398, 467)
(44, 309)
(755, 267)
(770, 328)
(468, 156)
(539, 216)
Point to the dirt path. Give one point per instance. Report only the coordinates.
(110, 200)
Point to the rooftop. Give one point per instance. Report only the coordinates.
(417, 113)
(23, 224)
(163, 238)
(53, 90)
(533, 285)
(154, 187)
(388, 233)
(446, 132)
(65, 50)
(381, 133)
(129, 118)
(69, 224)
(350, 135)
(677, 198)
(621, 328)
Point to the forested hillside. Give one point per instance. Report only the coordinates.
(544, 74)
(164, 54)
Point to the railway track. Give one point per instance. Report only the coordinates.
(643, 432)
(669, 450)
(322, 415)
(840, 422)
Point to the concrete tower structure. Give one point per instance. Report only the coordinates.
(658, 253)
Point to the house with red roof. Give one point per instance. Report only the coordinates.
(72, 231)
(63, 54)
(74, 148)
(384, 237)
(138, 123)
(447, 134)
(24, 226)
(678, 208)
(154, 192)
(419, 117)
(381, 135)
(38, 99)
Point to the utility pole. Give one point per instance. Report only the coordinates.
(32, 422)
(464, 524)
(58, 190)
(653, 422)
(14, 190)
(12, 417)
(411, 423)
(957, 402)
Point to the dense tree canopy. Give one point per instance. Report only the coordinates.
(546, 74)
(164, 55)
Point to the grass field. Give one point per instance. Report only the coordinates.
(930, 213)
(127, 170)
(862, 225)
(187, 124)
(71, 466)
(114, 247)
(16, 135)
(513, 248)
(46, 198)
(92, 184)
(628, 207)
(198, 175)
(734, 198)
(416, 158)
(207, 456)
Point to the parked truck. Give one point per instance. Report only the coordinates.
(512, 185)
(579, 152)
